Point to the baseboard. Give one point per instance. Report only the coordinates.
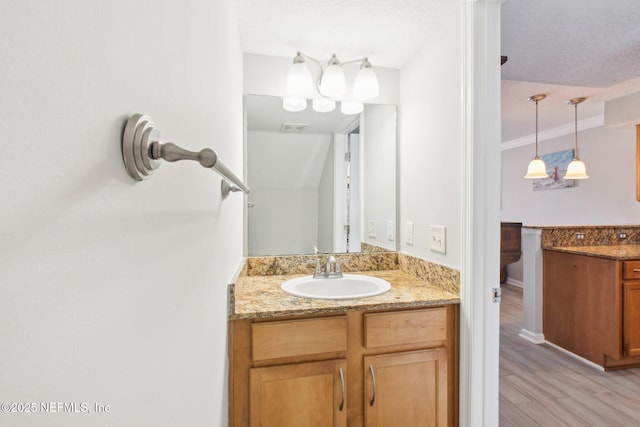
(575, 356)
(532, 336)
(514, 282)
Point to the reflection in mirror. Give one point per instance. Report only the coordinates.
(324, 181)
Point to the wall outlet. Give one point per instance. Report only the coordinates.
(622, 236)
(408, 233)
(438, 238)
(390, 230)
(372, 228)
(580, 236)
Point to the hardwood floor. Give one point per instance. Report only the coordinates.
(540, 386)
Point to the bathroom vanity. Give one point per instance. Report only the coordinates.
(386, 360)
(591, 302)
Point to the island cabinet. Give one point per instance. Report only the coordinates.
(591, 307)
(384, 368)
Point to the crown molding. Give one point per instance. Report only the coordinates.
(568, 129)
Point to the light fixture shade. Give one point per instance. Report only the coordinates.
(323, 105)
(299, 80)
(333, 83)
(537, 169)
(576, 170)
(366, 86)
(294, 104)
(349, 107)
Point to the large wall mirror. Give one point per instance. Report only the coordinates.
(319, 181)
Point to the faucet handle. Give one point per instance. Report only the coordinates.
(315, 262)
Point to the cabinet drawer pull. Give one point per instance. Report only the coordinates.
(342, 385)
(636, 270)
(373, 381)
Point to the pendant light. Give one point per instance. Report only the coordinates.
(576, 169)
(537, 169)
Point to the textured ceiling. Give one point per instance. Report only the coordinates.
(565, 48)
(387, 31)
(592, 43)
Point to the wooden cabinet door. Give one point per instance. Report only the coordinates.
(299, 395)
(631, 319)
(406, 389)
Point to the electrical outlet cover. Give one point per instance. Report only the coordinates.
(390, 231)
(438, 238)
(408, 233)
(372, 228)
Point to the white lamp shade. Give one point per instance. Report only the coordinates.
(333, 83)
(537, 169)
(366, 84)
(324, 105)
(294, 104)
(349, 107)
(576, 170)
(299, 81)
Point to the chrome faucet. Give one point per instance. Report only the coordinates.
(331, 268)
(327, 268)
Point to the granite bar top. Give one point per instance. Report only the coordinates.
(620, 252)
(261, 297)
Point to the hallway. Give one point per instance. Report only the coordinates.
(540, 386)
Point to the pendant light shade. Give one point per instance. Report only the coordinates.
(299, 81)
(333, 83)
(366, 86)
(294, 104)
(323, 105)
(576, 169)
(537, 169)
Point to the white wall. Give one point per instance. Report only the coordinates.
(325, 204)
(378, 157)
(607, 197)
(111, 291)
(429, 119)
(283, 221)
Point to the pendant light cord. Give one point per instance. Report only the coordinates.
(575, 121)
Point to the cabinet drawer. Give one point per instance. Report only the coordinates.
(405, 327)
(632, 269)
(291, 338)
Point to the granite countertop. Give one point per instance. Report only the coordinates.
(261, 297)
(621, 252)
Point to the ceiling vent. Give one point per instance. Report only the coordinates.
(293, 127)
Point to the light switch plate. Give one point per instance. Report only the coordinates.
(372, 228)
(390, 231)
(408, 233)
(438, 238)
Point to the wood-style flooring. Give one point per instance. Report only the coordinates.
(541, 386)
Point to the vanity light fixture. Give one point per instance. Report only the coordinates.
(576, 169)
(332, 82)
(537, 169)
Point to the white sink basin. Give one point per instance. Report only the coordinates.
(348, 286)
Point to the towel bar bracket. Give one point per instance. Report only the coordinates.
(142, 152)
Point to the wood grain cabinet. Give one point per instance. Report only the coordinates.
(391, 368)
(591, 307)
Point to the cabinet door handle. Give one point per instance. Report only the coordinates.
(342, 385)
(373, 381)
(636, 270)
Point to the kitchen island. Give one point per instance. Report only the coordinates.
(591, 302)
